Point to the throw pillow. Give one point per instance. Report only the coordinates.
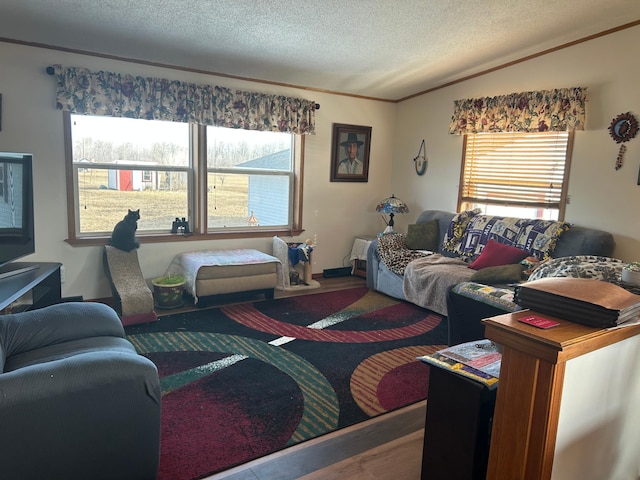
(423, 236)
(606, 269)
(499, 274)
(529, 264)
(494, 254)
(457, 227)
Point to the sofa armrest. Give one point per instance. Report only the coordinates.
(373, 259)
(59, 323)
(499, 297)
(86, 416)
(74, 375)
(468, 303)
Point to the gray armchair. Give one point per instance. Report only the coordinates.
(76, 400)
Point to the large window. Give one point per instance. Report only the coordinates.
(225, 182)
(516, 174)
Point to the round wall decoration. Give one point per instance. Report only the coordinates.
(622, 129)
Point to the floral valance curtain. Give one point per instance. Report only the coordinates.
(82, 91)
(548, 110)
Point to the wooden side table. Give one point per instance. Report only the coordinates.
(359, 254)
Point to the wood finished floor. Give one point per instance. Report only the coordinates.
(388, 447)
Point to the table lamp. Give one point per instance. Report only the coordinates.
(392, 206)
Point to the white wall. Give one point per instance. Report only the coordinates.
(601, 197)
(332, 211)
(598, 435)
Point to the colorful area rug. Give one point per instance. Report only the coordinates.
(242, 381)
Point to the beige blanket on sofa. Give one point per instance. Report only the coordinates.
(426, 280)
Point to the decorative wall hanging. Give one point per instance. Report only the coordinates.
(350, 153)
(622, 129)
(420, 161)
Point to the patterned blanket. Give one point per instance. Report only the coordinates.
(187, 264)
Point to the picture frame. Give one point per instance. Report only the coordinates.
(350, 151)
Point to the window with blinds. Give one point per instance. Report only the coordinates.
(516, 174)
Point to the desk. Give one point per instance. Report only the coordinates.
(359, 254)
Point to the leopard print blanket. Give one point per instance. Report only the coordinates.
(395, 255)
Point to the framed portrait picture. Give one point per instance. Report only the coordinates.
(350, 150)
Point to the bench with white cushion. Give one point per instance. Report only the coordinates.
(217, 272)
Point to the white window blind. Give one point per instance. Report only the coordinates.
(516, 170)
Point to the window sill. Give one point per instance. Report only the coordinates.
(178, 237)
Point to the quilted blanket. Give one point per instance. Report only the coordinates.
(426, 280)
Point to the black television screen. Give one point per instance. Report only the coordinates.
(16, 207)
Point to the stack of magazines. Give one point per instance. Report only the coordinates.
(580, 300)
(479, 360)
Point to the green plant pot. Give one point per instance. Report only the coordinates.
(168, 291)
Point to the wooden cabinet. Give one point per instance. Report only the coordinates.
(532, 377)
(36, 288)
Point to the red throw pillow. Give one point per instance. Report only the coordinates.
(496, 253)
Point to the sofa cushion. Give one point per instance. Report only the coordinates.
(423, 236)
(538, 237)
(495, 253)
(511, 273)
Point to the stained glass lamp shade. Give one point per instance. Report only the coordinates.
(391, 205)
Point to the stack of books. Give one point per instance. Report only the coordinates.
(581, 300)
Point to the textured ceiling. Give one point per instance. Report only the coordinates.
(386, 49)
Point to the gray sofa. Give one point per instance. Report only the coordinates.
(76, 400)
(575, 241)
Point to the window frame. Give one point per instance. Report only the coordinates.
(290, 174)
(465, 202)
(197, 200)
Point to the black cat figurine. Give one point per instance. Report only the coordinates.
(124, 233)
